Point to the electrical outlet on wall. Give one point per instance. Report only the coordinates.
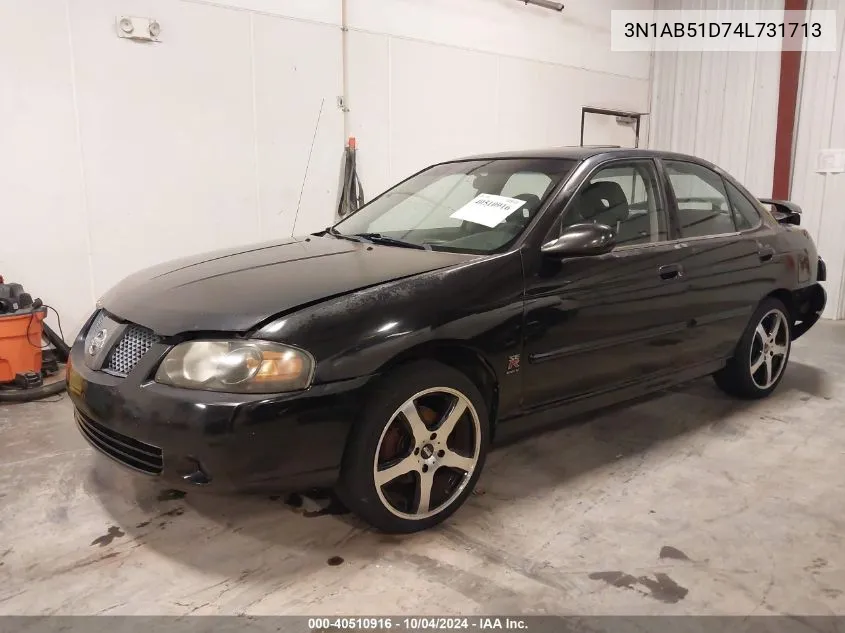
(831, 161)
(138, 29)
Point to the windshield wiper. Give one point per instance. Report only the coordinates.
(378, 238)
(343, 236)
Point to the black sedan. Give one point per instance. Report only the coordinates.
(479, 299)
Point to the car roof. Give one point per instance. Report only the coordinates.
(583, 152)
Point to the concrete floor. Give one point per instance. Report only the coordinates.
(689, 503)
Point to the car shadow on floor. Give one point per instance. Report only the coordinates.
(278, 537)
(812, 381)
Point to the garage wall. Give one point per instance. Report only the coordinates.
(821, 125)
(437, 79)
(43, 214)
(721, 106)
(116, 155)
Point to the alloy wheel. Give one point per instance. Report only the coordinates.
(769, 349)
(427, 453)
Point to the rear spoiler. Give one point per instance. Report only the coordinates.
(784, 211)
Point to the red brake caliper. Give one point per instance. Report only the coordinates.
(392, 446)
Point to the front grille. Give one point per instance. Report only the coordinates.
(135, 342)
(130, 452)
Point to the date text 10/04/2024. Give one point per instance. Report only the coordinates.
(722, 29)
(328, 625)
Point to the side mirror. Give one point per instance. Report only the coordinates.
(580, 240)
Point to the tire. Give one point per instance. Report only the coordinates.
(408, 456)
(748, 374)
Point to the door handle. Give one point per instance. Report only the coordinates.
(766, 253)
(670, 271)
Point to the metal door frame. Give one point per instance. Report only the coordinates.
(585, 110)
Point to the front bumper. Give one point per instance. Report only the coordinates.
(224, 442)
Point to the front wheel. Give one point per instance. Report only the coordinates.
(762, 354)
(418, 449)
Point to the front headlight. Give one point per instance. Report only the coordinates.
(236, 367)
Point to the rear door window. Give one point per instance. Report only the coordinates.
(703, 207)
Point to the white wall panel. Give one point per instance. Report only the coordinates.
(443, 104)
(368, 79)
(555, 95)
(579, 36)
(721, 106)
(167, 133)
(125, 154)
(821, 125)
(543, 88)
(299, 128)
(42, 213)
(435, 80)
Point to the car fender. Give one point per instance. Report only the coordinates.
(476, 306)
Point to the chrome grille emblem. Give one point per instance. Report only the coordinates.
(97, 342)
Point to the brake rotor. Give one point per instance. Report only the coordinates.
(397, 440)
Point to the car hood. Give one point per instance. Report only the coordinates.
(236, 289)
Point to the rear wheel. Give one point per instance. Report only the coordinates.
(418, 450)
(762, 354)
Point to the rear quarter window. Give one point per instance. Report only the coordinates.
(746, 214)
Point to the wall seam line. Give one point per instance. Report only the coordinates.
(225, 7)
(700, 92)
(481, 51)
(798, 109)
(255, 156)
(86, 210)
(390, 108)
(838, 314)
(652, 86)
(750, 119)
(499, 100)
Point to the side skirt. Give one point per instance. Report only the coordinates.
(566, 412)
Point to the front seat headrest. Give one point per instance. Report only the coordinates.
(532, 203)
(604, 202)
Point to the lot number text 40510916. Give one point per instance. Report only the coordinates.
(421, 623)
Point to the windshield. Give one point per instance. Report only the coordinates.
(479, 206)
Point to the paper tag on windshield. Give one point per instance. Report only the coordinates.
(488, 209)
